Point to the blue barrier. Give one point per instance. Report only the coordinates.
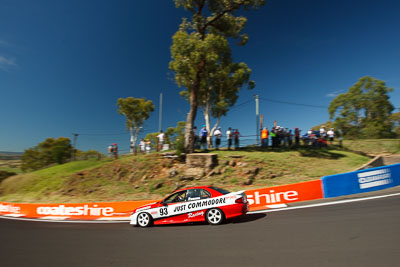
(361, 181)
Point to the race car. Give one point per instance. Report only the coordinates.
(194, 204)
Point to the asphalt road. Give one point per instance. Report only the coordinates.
(365, 233)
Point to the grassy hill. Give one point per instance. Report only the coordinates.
(152, 176)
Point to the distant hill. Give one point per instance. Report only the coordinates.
(6, 155)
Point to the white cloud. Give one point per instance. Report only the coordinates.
(334, 94)
(7, 63)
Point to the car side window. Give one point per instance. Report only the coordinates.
(175, 198)
(204, 194)
(193, 194)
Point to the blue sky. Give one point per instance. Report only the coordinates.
(64, 64)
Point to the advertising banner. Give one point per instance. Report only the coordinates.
(262, 198)
(361, 181)
(80, 211)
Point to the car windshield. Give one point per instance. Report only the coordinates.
(222, 191)
(177, 197)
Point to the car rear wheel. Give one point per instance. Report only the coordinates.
(215, 216)
(144, 220)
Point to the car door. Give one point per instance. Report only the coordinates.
(173, 207)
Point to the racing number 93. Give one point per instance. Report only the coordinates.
(163, 211)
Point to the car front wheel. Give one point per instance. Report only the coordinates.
(215, 216)
(144, 220)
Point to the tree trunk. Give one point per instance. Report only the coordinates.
(132, 139)
(189, 136)
(215, 126)
(206, 115)
(134, 136)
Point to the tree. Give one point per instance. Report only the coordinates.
(395, 118)
(173, 135)
(136, 111)
(200, 48)
(46, 153)
(364, 111)
(223, 87)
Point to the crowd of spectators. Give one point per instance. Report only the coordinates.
(276, 137)
(285, 137)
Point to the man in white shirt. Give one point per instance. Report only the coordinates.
(218, 135)
(161, 138)
(229, 137)
(331, 135)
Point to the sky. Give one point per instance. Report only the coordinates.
(64, 64)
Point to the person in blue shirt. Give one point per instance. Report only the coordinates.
(203, 137)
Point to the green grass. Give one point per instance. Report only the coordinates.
(40, 183)
(10, 165)
(373, 146)
(138, 177)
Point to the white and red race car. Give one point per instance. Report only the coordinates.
(194, 204)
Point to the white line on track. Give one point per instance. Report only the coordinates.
(325, 203)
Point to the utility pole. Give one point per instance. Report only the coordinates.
(74, 146)
(257, 119)
(160, 114)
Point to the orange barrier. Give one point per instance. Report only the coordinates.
(263, 198)
(80, 211)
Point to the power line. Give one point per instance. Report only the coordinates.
(107, 134)
(292, 103)
(241, 104)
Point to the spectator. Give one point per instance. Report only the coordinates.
(148, 146)
(322, 132)
(236, 135)
(297, 136)
(161, 138)
(279, 135)
(285, 137)
(264, 137)
(289, 137)
(331, 135)
(110, 149)
(273, 137)
(229, 137)
(218, 135)
(115, 150)
(142, 145)
(203, 137)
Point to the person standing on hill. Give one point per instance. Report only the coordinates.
(147, 146)
(115, 150)
(297, 136)
(218, 136)
(289, 136)
(273, 137)
(264, 137)
(229, 137)
(161, 138)
(110, 150)
(236, 135)
(203, 137)
(142, 145)
(331, 135)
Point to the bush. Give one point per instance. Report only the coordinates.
(5, 174)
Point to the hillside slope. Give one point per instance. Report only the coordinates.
(152, 176)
